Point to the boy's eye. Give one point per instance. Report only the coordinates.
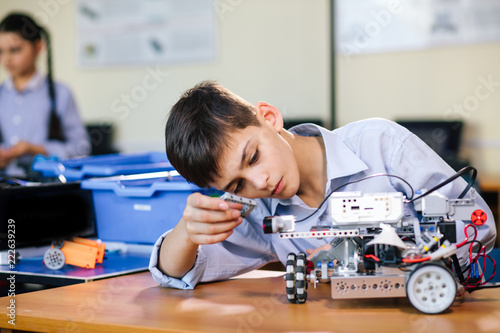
(239, 187)
(255, 157)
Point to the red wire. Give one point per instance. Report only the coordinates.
(371, 256)
(416, 260)
(472, 261)
(481, 253)
(494, 268)
(466, 235)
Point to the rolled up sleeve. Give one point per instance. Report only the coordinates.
(188, 281)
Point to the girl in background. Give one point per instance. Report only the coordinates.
(37, 115)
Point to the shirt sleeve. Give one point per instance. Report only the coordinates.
(77, 141)
(246, 249)
(188, 281)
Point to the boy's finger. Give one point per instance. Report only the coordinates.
(199, 228)
(219, 227)
(235, 205)
(213, 216)
(210, 239)
(199, 200)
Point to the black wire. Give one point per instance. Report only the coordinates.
(486, 283)
(471, 181)
(461, 172)
(357, 181)
(475, 241)
(458, 270)
(491, 285)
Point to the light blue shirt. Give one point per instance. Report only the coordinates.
(24, 116)
(354, 151)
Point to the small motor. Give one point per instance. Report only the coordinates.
(274, 224)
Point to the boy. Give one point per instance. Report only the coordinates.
(216, 139)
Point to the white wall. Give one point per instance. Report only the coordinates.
(271, 50)
(441, 84)
(279, 51)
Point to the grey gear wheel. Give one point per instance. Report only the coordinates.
(431, 288)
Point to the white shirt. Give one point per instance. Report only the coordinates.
(25, 114)
(354, 151)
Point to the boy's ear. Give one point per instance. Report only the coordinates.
(269, 114)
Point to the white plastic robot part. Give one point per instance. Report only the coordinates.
(54, 258)
(248, 204)
(348, 208)
(431, 288)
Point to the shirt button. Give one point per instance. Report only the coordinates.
(16, 120)
(14, 140)
(19, 99)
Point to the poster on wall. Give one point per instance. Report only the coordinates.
(134, 32)
(376, 26)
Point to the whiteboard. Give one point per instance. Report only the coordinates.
(397, 25)
(129, 32)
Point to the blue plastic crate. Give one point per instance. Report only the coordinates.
(102, 165)
(495, 255)
(138, 211)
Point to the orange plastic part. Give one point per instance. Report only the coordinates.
(478, 217)
(98, 244)
(79, 255)
(83, 252)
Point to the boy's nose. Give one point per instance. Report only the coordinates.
(259, 180)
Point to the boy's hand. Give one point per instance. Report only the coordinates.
(312, 252)
(210, 220)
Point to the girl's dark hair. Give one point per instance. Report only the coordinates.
(199, 128)
(28, 29)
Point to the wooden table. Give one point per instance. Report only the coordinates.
(137, 303)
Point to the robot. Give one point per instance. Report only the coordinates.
(377, 251)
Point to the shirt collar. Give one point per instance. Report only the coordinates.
(341, 161)
(34, 82)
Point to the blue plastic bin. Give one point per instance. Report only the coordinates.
(138, 211)
(102, 165)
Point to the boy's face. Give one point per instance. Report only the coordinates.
(259, 163)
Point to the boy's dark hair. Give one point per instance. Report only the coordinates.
(199, 128)
(23, 25)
